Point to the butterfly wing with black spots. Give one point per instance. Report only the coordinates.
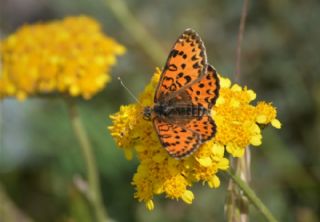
(185, 64)
(177, 140)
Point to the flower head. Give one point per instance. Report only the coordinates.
(70, 56)
(237, 120)
(237, 126)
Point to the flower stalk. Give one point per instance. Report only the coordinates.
(251, 195)
(237, 208)
(138, 32)
(243, 17)
(94, 193)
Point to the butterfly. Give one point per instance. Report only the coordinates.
(187, 90)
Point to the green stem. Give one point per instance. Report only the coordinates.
(137, 30)
(9, 211)
(94, 193)
(253, 197)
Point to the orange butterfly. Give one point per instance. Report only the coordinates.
(186, 92)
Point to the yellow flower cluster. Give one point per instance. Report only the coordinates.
(237, 120)
(70, 56)
(158, 173)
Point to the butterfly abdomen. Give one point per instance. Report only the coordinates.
(189, 111)
(182, 111)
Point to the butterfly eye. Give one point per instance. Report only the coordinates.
(147, 113)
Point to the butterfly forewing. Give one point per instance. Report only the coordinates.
(205, 91)
(186, 62)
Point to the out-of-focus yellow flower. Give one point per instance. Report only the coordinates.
(158, 173)
(70, 56)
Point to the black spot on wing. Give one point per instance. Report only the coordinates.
(196, 65)
(172, 67)
(187, 78)
(194, 58)
(174, 53)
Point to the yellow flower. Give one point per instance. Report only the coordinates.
(123, 130)
(238, 121)
(158, 173)
(70, 56)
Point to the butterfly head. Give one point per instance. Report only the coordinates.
(147, 113)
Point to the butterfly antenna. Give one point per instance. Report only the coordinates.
(128, 90)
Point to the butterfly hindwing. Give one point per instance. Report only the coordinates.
(186, 62)
(204, 126)
(177, 140)
(205, 91)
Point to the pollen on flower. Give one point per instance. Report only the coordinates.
(237, 127)
(175, 187)
(70, 56)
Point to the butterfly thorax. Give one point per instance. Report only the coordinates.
(181, 111)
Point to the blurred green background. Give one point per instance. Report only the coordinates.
(39, 155)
